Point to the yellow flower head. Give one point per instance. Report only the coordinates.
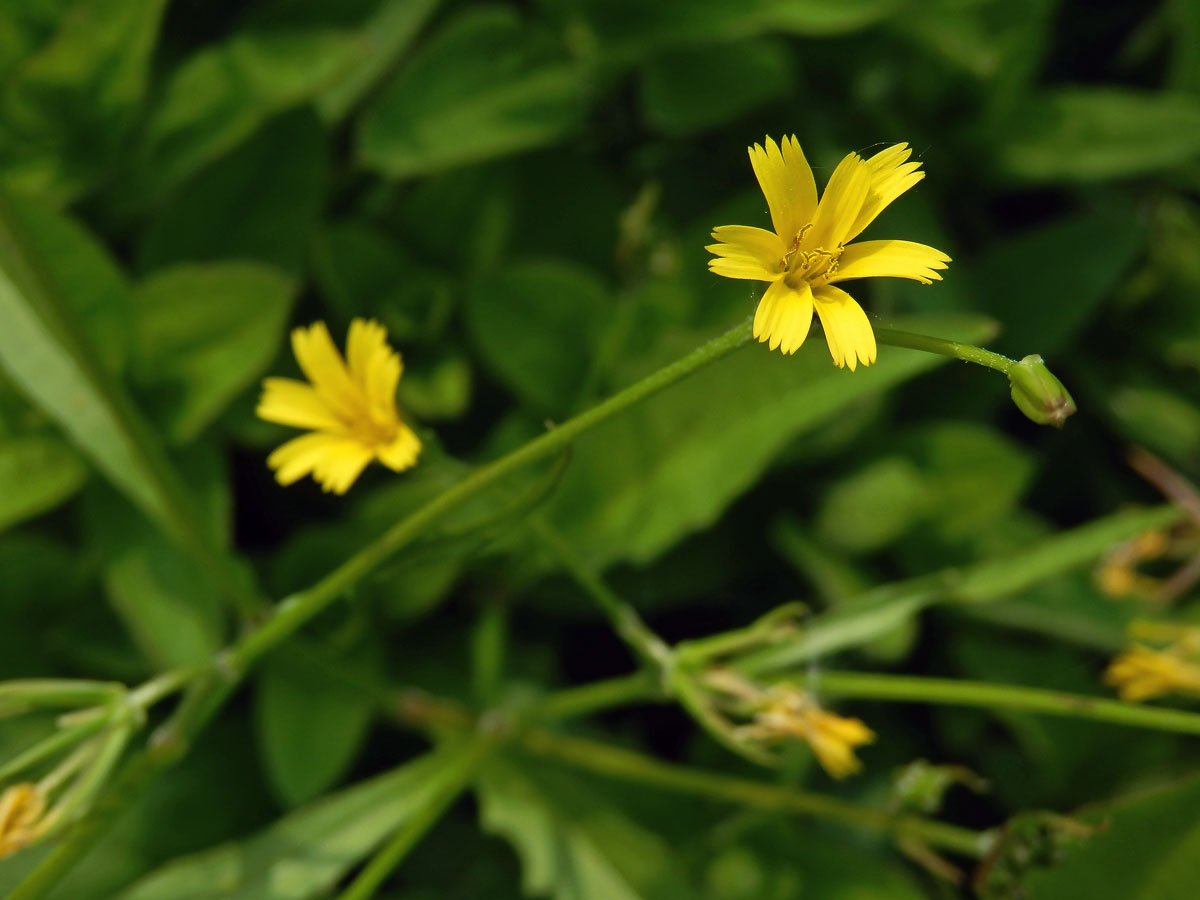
(22, 817)
(807, 253)
(350, 406)
(1141, 673)
(790, 713)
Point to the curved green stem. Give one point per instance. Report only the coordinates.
(955, 350)
(209, 693)
(874, 686)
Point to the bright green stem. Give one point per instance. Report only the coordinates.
(630, 766)
(966, 352)
(625, 620)
(865, 685)
(299, 608)
(208, 694)
(572, 703)
(375, 872)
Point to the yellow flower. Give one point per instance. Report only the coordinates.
(806, 254)
(1141, 673)
(351, 408)
(791, 713)
(22, 817)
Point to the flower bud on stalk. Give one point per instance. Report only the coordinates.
(1038, 393)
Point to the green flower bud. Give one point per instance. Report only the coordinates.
(1038, 393)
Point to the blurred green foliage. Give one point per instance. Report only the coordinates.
(521, 193)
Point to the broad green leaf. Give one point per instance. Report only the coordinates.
(203, 334)
(693, 89)
(573, 844)
(65, 109)
(42, 352)
(310, 726)
(1088, 134)
(260, 202)
(873, 506)
(221, 96)
(1148, 848)
(1082, 259)
(36, 475)
(484, 86)
(671, 464)
(168, 606)
(628, 30)
(306, 853)
(536, 325)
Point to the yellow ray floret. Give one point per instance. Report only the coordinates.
(810, 250)
(349, 405)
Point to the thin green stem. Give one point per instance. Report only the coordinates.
(573, 703)
(635, 767)
(373, 875)
(209, 693)
(874, 686)
(299, 608)
(625, 620)
(955, 350)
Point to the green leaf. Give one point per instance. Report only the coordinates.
(310, 725)
(308, 851)
(203, 334)
(483, 87)
(874, 506)
(535, 324)
(627, 30)
(1087, 134)
(1147, 849)
(42, 351)
(694, 89)
(66, 108)
(1081, 257)
(573, 844)
(670, 465)
(36, 475)
(224, 94)
(260, 202)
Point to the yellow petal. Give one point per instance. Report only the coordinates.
(341, 466)
(891, 259)
(787, 182)
(749, 243)
(784, 316)
(840, 204)
(290, 402)
(321, 362)
(310, 452)
(402, 452)
(741, 268)
(891, 176)
(847, 329)
(374, 366)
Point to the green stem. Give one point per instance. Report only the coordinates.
(966, 352)
(873, 686)
(625, 620)
(635, 767)
(573, 703)
(373, 875)
(299, 608)
(208, 694)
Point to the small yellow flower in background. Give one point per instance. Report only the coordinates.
(22, 817)
(349, 405)
(1141, 673)
(1116, 575)
(788, 713)
(807, 253)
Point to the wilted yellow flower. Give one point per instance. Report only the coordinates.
(806, 254)
(790, 713)
(22, 817)
(1141, 673)
(349, 405)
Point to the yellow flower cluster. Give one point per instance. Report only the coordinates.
(1142, 673)
(22, 817)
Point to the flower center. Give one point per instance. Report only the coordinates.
(374, 429)
(813, 264)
